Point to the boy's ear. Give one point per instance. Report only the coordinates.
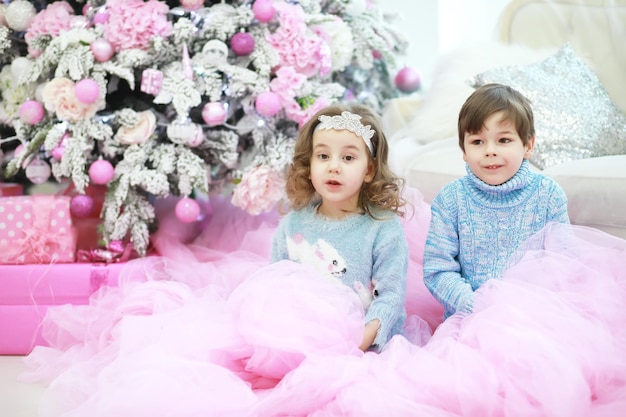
(529, 148)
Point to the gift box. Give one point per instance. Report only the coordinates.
(10, 189)
(27, 291)
(36, 229)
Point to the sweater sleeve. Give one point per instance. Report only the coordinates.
(558, 205)
(279, 242)
(389, 272)
(442, 271)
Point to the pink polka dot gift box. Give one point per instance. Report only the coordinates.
(36, 230)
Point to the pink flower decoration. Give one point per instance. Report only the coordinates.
(52, 20)
(259, 190)
(285, 83)
(133, 23)
(296, 45)
(58, 96)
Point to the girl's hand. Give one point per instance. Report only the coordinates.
(369, 334)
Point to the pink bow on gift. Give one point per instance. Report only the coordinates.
(40, 243)
(115, 252)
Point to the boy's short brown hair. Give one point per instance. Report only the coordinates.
(489, 99)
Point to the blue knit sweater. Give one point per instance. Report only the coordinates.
(368, 255)
(476, 227)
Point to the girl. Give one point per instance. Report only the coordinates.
(345, 218)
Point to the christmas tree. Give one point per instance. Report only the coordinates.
(153, 99)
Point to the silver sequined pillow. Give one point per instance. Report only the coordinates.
(574, 116)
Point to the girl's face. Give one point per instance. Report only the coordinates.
(496, 153)
(340, 164)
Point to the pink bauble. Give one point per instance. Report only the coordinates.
(102, 50)
(376, 54)
(192, 5)
(187, 210)
(31, 112)
(81, 205)
(87, 91)
(242, 43)
(57, 153)
(214, 113)
(408, 80)
(268, 103)
(38, 171)
(101, 172)
(263, 10)
(100, 18)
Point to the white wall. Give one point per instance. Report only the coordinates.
(434, 27)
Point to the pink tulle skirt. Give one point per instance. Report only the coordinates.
(210, 328)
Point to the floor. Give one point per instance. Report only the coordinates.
(17, 399)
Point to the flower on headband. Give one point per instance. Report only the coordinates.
(348, 121)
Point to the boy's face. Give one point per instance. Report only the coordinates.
(496, 153)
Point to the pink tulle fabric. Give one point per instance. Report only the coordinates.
(210, 328)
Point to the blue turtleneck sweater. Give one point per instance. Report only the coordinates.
(476, 227)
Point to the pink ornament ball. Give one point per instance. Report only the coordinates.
(87, 91)
(187, 210)
(102, 50)
(268, 103)
(31, 112)
(242, 43)
(38, 171)
(214, 113)
(263, 10)
(100, 18)
(81, 205)
(101, 172)
(408, 80)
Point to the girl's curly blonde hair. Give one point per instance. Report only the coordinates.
(383, 192)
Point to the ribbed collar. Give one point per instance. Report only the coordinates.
(511, 193)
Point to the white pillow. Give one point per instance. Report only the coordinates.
(437, 116)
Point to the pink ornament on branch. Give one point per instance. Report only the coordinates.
(214, 113)
(31, 112)
(263, 10)
(408, 80)
(192, 5)
(187, 210)
(38, 171)
(81, 205)
(242, 43)
(101, 172)
(102, 50)
(57, 153)
(268, 103)
(87, 91)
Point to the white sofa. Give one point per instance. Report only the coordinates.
(422, 127)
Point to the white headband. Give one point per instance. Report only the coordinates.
(348, 121)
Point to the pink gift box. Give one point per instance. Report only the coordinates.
(27, 291)
(36, 229)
